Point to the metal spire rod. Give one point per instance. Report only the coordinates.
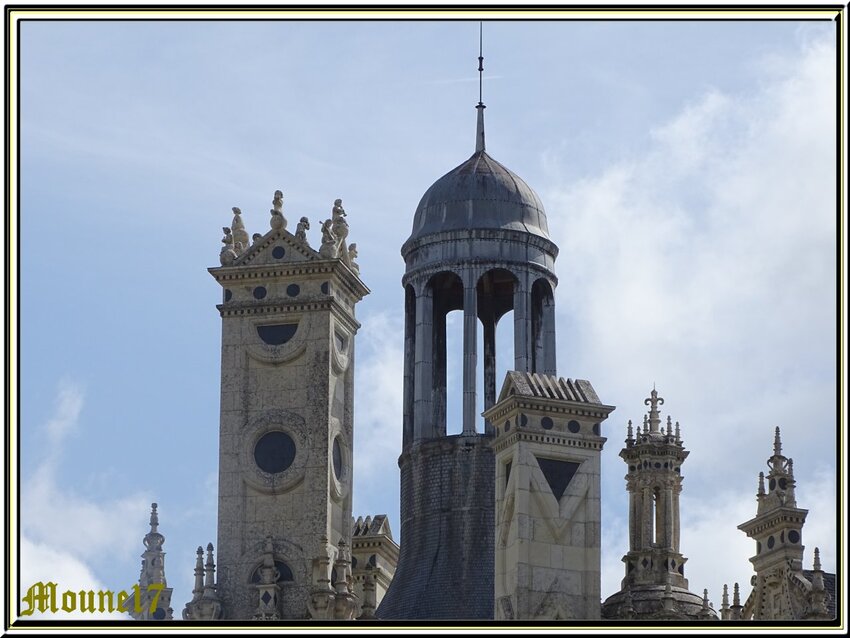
(480, 62)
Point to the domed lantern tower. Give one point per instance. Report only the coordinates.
(479, 244)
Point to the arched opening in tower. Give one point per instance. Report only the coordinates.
(446, 290)
(542, 327)
(496, 289)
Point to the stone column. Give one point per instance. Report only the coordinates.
(409, 363)
(489, 365)
(548, 325)
(646, 519)
(423, 377)
(634, 509)
(668, 517)
(522, 325)
(470, 356)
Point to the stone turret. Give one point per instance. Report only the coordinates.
(152, 583)
(655, 567)
(782, 589)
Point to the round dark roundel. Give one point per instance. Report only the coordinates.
(278, 252)
(159, 614)
(547, 423)
(227, 295)
(596, 429)
(523, 420)
(783, 484)
(325, 288)
(508, 425)
(274, 452)
(771, 542)
(337, 459)
(259, 292)
(293, 289)
(794, 536)
(574, 427)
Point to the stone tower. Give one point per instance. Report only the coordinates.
(286, 433)
(548, 508)
(655, 586)
(479, 244)
(782, 589)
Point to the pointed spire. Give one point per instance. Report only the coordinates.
(154, 519)
(629, 432)
(777, 444)
(761, 484)
(209, 568)
(653, 402)
(198, 590)
(724, 604)
(645, 424)
(736, 597)
(678, 435)
(669, 426)
(479, 131)
(817, 565)
(736, 610)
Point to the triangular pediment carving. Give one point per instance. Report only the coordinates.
(277, 247)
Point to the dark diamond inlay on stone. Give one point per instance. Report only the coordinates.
(558, 474)
(274, 452)
(266, 597)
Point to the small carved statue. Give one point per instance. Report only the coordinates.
(228, 254)
(278, 221)
(256, 237)
(301, 229)
(352, 255)
(340, 228)
(240, 235)
(329, 240)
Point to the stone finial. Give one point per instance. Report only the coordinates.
(240, 235)
(645, 424)
(669, 426)
(677, 435)
(817, 566)
(653, 402)
(724, 604)
(198, 590)
(277, 202)
(737, 610)
(301, 229)
(629, 432)
(761, 491)
(736, 597)
(154, 518)
(777, 443)
(209, 570)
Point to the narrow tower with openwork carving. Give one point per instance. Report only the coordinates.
(286, 432)
(782, 589)
(153, 590)
(655, 586)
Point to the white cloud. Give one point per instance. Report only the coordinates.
(45, 564)
(61, 528)
(706, 263)
(378, 406)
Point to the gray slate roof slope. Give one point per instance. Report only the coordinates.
(481, 193)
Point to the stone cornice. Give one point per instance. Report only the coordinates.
(548, 406)
(467, 234)
(522, 434)
(332, 305)
(774, 519)
(256, 274)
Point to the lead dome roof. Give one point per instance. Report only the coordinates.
(480, 193)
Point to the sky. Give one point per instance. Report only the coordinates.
(687, 168)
